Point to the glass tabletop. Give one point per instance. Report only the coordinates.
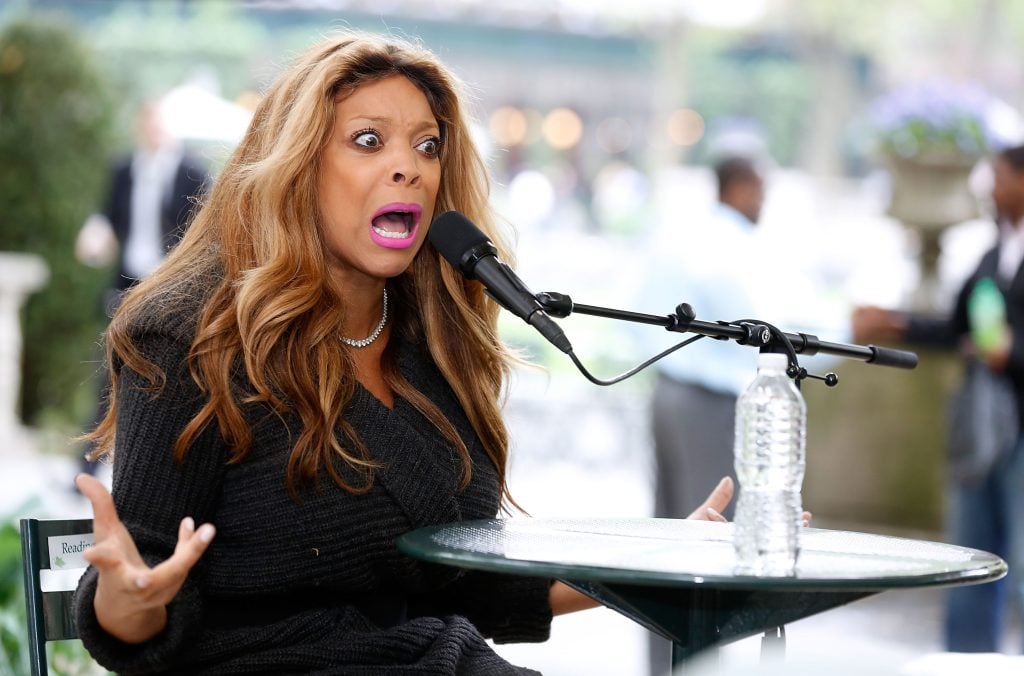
(686, 553)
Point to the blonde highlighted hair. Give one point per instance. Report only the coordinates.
(259, 239)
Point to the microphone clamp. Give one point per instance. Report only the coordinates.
(756, 334)
(555, 304)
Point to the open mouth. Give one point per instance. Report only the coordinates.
(394, 224)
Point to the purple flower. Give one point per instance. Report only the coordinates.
(934, 117)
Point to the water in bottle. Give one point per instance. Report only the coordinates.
(770, 459)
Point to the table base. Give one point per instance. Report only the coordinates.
(697, 619)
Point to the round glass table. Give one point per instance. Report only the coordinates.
(676, 578)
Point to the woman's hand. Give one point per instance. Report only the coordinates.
(996, 357)
(564, 599)
(719, 499)
(131, 598)
(874, 323)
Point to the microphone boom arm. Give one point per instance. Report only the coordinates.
(745, 333)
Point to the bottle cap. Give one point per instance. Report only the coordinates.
(772, 361)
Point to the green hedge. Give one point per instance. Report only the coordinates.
(55, 131)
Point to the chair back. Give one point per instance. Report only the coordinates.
(52, 563)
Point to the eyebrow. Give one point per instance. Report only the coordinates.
(387, 122)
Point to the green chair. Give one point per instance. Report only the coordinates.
(47, 547)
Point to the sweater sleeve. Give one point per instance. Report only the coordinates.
(1015, 364)
(505, 608)
(940, 332)
(946, 332)
(928, 331)
(152, 493)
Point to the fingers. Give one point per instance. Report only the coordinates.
(130, 585)
(103, 510)
(714, 515)
(186, 528)
(114, 548)
(192, 543)
(719, 499)
(721, 496)
(104, 555)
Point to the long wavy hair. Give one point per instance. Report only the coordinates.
(259, 241)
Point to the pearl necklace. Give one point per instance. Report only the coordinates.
(376, 332)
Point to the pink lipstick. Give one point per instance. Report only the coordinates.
(394, 225)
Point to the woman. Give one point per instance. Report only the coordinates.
(305, 374)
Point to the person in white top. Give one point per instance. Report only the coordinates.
(723, 270)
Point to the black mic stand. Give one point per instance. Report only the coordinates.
(753, 332)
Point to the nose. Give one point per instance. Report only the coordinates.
(405, 170)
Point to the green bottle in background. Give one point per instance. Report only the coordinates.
(986, 314)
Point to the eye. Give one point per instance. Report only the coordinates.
(431, 147)
(368, 138)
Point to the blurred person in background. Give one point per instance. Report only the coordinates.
(985, 513)
(307, 376)
(153, 193)
(694, 403)
(695, 397)
(725, 273)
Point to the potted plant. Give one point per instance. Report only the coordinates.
(931, 135)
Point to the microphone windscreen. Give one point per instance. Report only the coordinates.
(452, 234)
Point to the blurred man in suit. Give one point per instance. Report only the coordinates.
(153, 192)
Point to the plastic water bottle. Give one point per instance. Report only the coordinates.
(771, 432)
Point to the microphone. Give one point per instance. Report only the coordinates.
(470, 252)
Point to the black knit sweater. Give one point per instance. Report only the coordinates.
(314, 586)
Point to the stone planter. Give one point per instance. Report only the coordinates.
(875, 444)
(929, 194)
(932, 191)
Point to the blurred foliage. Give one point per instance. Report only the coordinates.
(13, 646)
(149, 48)
(146, 48)
(55, 112)
(740, 79)
(60, 123)
(67, 658)
(891, 26)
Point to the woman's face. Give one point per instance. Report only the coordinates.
(378, 181)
